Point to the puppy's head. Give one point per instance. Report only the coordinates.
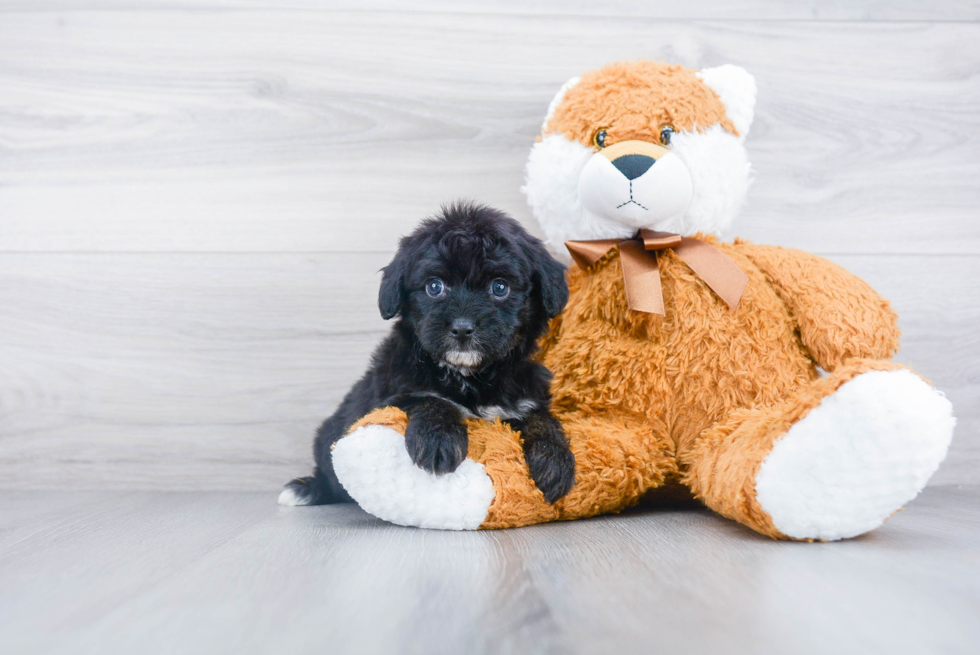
(473, 286)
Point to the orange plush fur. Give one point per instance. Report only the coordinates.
(636, 102)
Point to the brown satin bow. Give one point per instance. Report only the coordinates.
(642, 277)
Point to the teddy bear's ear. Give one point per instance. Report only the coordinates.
(736, 88)
(557, 100)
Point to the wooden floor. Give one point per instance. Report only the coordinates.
(230, 572)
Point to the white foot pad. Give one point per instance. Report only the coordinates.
(377, 472)
(856, 458)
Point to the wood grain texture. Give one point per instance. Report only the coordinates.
(299, 130)
(196, 195)
(183, 371)
(168, 370)
(864, 10)
(191, 573)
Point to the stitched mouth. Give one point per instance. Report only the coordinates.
(631, 201)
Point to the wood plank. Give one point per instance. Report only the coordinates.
(213, 365)
(220, 572)
(93, 535)
(295, 131)
(212, 371)
(863, 10)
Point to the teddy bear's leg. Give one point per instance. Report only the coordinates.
(833, 461)
(616, 461)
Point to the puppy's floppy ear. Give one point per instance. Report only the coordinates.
(550, 278)
(392, 292)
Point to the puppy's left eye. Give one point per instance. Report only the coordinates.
(499, 289)
(665, 133)
(435, 287)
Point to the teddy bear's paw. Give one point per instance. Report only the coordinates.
(374, 466)
(857, 458)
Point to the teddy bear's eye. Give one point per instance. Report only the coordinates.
(599, 138)
(665, 133)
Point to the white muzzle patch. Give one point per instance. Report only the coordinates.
(465, 358)
(662, 192)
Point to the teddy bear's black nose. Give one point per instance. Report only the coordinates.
(633, 166)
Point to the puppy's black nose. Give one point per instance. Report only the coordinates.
(633, 166)
(462, 327)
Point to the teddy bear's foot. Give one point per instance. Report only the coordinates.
(857, 457)
(376, 470)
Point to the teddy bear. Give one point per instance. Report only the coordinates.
(756, 378)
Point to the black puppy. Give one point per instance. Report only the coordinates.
(474, 291)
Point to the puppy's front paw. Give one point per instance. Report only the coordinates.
(436, 448)
(552, 467)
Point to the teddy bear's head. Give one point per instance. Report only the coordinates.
(642, 145)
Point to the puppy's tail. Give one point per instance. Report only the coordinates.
(314, 490)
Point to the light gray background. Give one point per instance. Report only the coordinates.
(195, 196)
(195, 199)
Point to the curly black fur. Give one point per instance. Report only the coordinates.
(463, 353)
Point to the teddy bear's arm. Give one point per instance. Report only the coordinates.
(839, 315)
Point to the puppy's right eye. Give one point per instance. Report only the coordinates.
(499, 289)
(435, 287)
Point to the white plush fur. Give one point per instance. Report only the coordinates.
(720, 173)
(552, 174)
(376, 470)
(736, 88)
(857, 458)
